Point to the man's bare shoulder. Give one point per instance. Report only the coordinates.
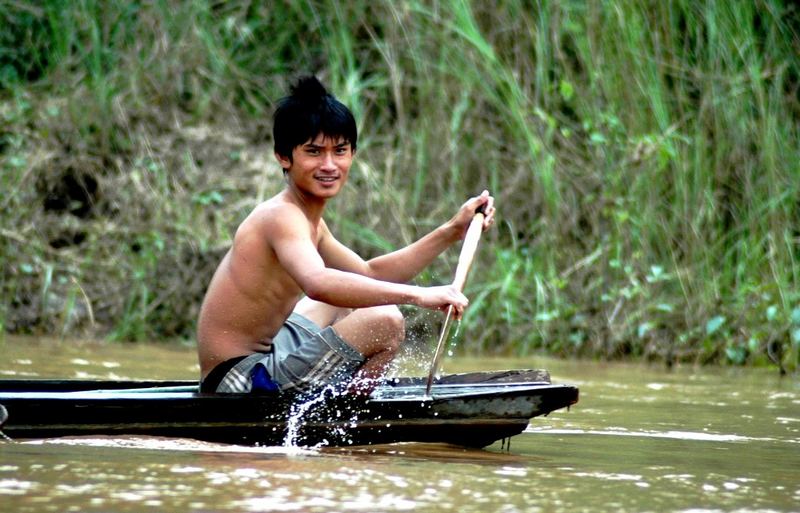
(274, 218)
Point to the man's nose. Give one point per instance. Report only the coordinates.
(327, 161)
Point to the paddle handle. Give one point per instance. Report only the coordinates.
(468, 249)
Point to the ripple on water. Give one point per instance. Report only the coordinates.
(19, 373)
(675, 435)
(172, 444)
(16, 486)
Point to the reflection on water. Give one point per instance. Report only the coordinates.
(676, 435)
(640, 439)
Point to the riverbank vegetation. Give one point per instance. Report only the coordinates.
(644, 155)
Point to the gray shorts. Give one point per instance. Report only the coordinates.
(303, 356)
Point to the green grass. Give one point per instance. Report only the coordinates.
(644, 156)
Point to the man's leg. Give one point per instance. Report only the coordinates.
(375, 332)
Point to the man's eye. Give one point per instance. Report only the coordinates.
(341, 151)
(312, 151)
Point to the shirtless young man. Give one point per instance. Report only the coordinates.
(289, 306)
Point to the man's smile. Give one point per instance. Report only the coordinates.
(327, 178)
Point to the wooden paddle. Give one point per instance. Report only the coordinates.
(468, 248)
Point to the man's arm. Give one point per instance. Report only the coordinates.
(290, 237)
(404, 264)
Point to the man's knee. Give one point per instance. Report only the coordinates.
(373, 330)
(392, 320)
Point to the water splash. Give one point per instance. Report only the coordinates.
(300, 410)
(312, 406)
(451, 343)
(458, 330)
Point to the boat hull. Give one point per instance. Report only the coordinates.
(473, 409)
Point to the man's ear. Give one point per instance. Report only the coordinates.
(285, 162)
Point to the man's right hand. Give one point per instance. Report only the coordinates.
(441, 298)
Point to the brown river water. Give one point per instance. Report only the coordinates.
(641, 439)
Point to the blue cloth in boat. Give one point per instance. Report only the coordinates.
(303, 356)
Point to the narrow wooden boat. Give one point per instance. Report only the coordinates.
(474, 409)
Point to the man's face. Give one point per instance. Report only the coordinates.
(319, 166)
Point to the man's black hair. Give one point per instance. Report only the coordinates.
(307, 112)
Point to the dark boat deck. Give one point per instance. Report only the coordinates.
(473, 409)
